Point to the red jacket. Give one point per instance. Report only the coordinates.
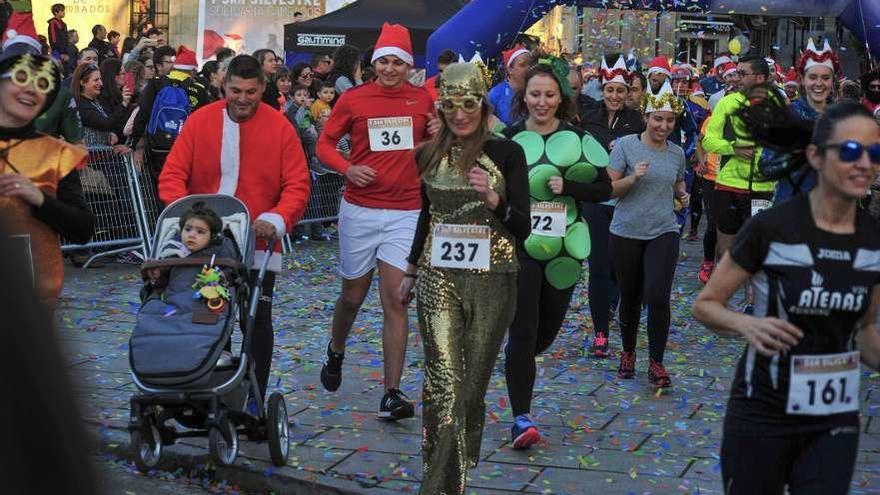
(259, 161)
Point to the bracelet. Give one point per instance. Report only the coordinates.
(410, 275)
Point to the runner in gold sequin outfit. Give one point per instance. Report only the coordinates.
(472, 181)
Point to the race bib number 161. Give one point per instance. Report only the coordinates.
(824, 384)
(390, 133)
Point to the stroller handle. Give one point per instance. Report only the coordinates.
(258, 283)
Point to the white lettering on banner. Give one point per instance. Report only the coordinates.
(333, 40)
(390, 133)
(548, 219)
(824, 384)
(461, 246)
(759, 205)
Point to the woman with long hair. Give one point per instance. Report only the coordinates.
(475, 205)
(648, 178)
(101, 126)
(818, 70)
(114, 94)
(814, 264)
(211, 78)
(270, 64)
(346, 71)
(607, 122)
(564, 173)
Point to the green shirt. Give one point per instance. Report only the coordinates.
(61, 119)
(725, 130)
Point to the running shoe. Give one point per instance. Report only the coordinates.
(524, 433)
(706, 269)
(658, 376)
(749, 309)
(599, 347)
(395, 406)
(627, 367)
(331, 372)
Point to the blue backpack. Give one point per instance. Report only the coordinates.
(170, 109)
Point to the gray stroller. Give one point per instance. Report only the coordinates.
(180, 351)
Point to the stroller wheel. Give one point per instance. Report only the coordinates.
(147, 445)
(278, 429)
(223, 452)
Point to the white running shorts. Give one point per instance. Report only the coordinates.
(370, 234)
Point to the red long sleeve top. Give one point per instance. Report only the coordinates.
(366, 111)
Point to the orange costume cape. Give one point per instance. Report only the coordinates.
(45, 161)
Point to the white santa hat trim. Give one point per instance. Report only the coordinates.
(515, 54)
(723, 59)
(392, 50)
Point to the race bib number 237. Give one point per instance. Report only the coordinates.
(461, 246)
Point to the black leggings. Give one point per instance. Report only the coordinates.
(263, 340)
(710, 238)
(602, 285)
(696, 193)
(540, 310)
(645, 269)
(810, 464)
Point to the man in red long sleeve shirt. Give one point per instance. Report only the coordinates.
(386, 119)
(244, 148)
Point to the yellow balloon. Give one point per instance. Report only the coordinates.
(734, 46)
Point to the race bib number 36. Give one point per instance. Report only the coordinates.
(824, 384)
(548, 219)
(390, 133)
(461, 246)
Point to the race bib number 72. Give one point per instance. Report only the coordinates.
(824, 384)
(390, 133)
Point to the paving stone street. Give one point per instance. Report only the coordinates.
(601, 434)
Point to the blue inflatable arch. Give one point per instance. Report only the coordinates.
(489, 26)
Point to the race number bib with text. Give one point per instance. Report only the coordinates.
(759, 205)
(548, 219)
(824, 384)
(390, 133)
(461, 246)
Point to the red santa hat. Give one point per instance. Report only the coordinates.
(20, 29)
(617, 74)
(185, 59)
(394, 40)
(721, 60)
(508, 56)
(213, 42)
(683, 71)
(660, 64)
(813, 57)
(727, 69)
(791, 77)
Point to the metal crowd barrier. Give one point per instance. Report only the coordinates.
(324, 200)
(122, 198)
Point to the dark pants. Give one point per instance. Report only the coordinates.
(540, 310)
(263, 339)
(645, 269)
(696, 193)
(810, 464)
(602, 284)
(710, 238)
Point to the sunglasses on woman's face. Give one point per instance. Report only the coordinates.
(469, 104)
(851, 151)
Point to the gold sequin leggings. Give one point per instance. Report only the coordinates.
(462, 319)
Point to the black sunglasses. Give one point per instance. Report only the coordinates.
(851, 151)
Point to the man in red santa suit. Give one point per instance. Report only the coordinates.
(244, 148)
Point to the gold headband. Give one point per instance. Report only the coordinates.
(462, 79)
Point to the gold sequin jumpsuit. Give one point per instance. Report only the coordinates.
(463, 315)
